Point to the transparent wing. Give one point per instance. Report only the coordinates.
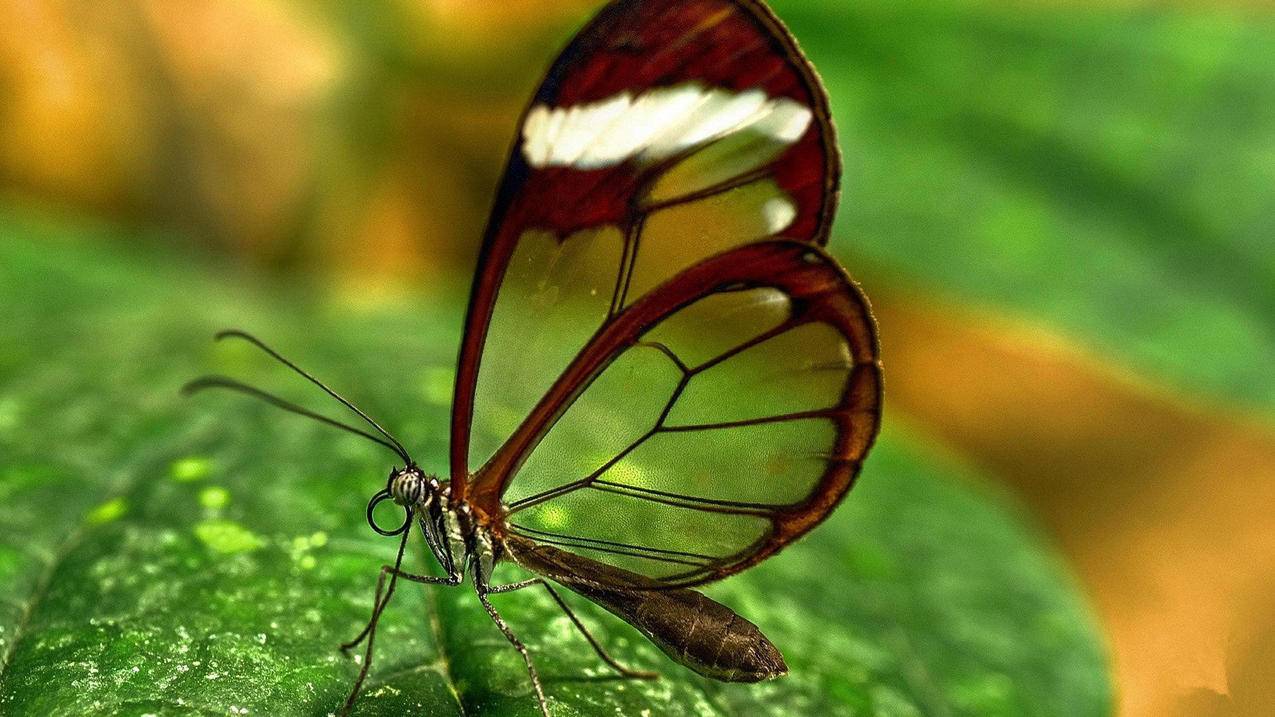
(667, 132)
(717, 419)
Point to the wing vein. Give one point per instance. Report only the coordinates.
(689, 502)
(532, 532)
(783, 418)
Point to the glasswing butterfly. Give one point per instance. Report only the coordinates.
(663, 379)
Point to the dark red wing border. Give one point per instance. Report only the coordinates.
(819, 291)
(632, 45)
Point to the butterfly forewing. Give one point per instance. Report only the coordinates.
(667, 132)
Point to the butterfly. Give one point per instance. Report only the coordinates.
(663, 379)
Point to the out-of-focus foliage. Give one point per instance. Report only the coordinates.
(207, 556)
(1107, 172)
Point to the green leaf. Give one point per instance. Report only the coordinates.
(1105, 171)
(207, 556)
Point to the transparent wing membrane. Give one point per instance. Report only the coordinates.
(679, 235)
(616, 411)
(555, 296)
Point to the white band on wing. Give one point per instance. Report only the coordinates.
(655, 125)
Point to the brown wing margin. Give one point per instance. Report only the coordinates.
(819, 291)
(591, 67)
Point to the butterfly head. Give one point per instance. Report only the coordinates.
(411, 488)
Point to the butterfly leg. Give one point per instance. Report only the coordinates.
(482, 591)
(378, 607)
(627, 672)
(450, 581)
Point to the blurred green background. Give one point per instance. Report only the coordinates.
(1063, 212)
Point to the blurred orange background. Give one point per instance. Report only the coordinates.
(360, 145)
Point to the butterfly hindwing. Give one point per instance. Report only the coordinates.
(704, 428)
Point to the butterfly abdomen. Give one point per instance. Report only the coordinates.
(697, 632)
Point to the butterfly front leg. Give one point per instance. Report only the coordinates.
(379, 603)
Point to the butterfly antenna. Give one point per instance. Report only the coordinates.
(207, 382)
(237, 334)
